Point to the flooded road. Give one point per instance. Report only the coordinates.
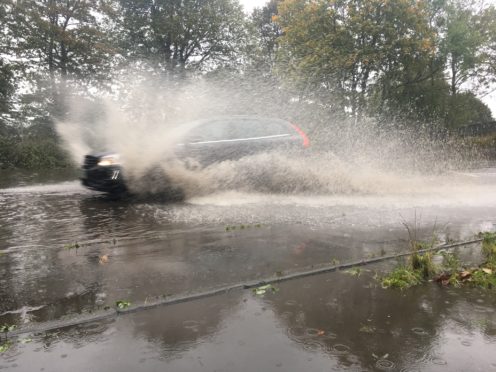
(334, 322)
(65, 252)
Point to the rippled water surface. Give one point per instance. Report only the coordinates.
(66, 251)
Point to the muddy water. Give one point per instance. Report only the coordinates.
(134, 251)
(333, 322)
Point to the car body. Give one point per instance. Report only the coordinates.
(206, 142)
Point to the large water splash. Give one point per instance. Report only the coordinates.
(147, 118)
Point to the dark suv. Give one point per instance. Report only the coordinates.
(206, 142)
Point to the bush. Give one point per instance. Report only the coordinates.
(31, 154)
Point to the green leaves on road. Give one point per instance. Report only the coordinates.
(260, 291)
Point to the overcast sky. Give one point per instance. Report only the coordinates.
(250, 4)
(489, 100)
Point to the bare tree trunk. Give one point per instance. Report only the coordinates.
(453, 76)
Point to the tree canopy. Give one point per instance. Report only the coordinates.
(425, 61)
(181, 33)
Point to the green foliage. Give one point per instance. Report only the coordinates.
(389, 58)
(6, 87)
(464, 43)
(349, 45)
(405, 60)
(179, 34)
(489, 245)
(420, 267)
(32, 154)
(266, 32)
(422, 263)
(5, 346)
(54, 48)
(7, 328)
(241, 227)
(465, 109)
(66, 39)
(122, 304)
(451, 273)
(402, 278)
(451, 261)
(260, 291)
(71, 246)
(483, 279)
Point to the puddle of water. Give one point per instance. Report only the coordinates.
(154, 249)
(241, 331)
(331, 321)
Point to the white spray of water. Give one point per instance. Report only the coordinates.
(148, 119)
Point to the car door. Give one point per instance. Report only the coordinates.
(232, 138)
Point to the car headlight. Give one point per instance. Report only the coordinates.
(107, 160)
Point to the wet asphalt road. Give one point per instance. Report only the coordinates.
(137, 251)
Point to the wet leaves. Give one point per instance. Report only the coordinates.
(7, 328)
(260, 291)
(122, 304)
(103, 259)
(242, 227)
(5, 346)
(451, 273)
(402, 278)
(464, 275)
(483, 276)
(367, 329)
(488, 244)
(70, 246)
(355, 271)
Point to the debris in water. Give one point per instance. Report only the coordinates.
(7, 328)
(122, 304)
(71, 246)
(5, 346)
(367, 329)
(264, 288)
(355, 271)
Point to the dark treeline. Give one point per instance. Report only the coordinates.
(404, 61)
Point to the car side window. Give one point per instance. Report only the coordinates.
(205, 132)
(236, 128)
(255, 128)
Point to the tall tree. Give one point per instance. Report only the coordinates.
(346, 45)
(63, 37)
(56, 44)
(266, 31)
(6, 91)
(177, 34)
(464, 43)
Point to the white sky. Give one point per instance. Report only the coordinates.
(250, 4)
(489, 99)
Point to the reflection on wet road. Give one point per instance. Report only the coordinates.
(66, 251)
(333, 322)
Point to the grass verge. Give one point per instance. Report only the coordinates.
(452, 272)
